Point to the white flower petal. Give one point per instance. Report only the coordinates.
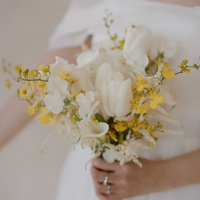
(90, 129)
(104, 99)
(100, 106)
(87, 105)
(86, 57)
(139, 38)
(162, 44)
(137, 60)
(54, 102)
(104, 73)
(59, 65)
(83, 83)
(112, 96)
(58, 84)
(124, 97)
(109, 155)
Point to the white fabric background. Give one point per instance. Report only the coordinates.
(26, 173)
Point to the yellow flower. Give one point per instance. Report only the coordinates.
(33, 73)
(44, 68)
(4, 69)
(73, 119)
(18, 68)
(32, 110)
(41, 85)
(67, 77)
(22, 92)
(75, 94)
(112, 135)
(184, 67)
(121, 44)
(8, 84)
(94, 120)
(167, 72)
(48, 118)
(156, 100)
(149, 128)
(25, 72)
(114, 37)
(136, 106)
(144, 108)
(120, 126)
(141, 84)
(160, 126)
(137, 135)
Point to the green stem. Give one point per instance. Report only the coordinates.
(75, 115)
(23, 79)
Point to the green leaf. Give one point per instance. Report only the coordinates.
(99, 117)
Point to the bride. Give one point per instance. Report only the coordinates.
(171, 170)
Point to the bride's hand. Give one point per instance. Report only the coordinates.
(128, 180)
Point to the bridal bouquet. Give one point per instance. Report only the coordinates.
(113, 100)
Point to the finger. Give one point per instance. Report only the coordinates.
(103, 165)
(108, 197)
(99, 176)
(100, 188)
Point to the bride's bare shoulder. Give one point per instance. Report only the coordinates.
(189, 3)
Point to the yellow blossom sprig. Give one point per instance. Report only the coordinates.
(25, 75)
(185, 68)
(8, 84)
(108, 24)
(23, 92)
(167, 73)
(8, 69)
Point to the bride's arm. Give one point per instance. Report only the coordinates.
(13, 116)
(130, 180)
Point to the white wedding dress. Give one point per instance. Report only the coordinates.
(179, 23)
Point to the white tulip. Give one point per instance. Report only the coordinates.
(104, 73)
(59, 65)
(116, 95)
(57, 92)
(139, 39)
(162, 44)
(100, 106)
(90, 129)
(87, 104)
